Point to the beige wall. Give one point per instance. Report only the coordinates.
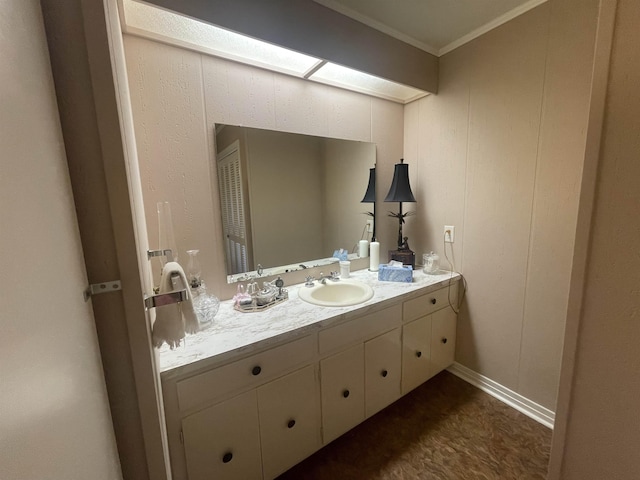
(294, 211)
(178, 96)
(498, 153)
(54, 419)
(346, 178)
(602, 435)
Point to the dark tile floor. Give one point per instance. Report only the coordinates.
(444, 429)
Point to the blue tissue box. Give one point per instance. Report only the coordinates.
(395, 274)
(341, 254)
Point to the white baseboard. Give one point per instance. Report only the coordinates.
(531, 409)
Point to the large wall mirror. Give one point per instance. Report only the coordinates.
(288, 201)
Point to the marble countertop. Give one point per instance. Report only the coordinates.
(235, 334)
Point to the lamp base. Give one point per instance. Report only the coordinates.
(404, 255)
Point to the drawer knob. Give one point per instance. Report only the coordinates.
(433, 301)
(384, 373)
(345, 393)
(227, 457)
(444, 340)
(256, 370)
(291, 423)
(418, 354)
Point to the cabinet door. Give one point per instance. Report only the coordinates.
(382, 361)
(416, 348)
(223, 441)
(342, 381)
(289, 411)
(443, 339)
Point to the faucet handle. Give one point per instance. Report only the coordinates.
(309, 281)
(335, 276)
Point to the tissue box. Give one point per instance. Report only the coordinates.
(341, 254)
(388, 273)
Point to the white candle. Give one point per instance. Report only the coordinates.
(374, 256)
(363, 248)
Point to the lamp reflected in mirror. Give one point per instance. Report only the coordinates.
(370, 197)
(400, 192)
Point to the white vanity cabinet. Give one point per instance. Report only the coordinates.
(268, 429)
(256, 415)
(428, 337)
(289, 410)
(223, 441)
(260, 413)
(382, 371)
(443, 339)
(362, 379)
(416, 353)
(342, 388)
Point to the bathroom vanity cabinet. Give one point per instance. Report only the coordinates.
(255, 415)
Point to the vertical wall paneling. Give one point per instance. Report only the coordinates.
(500, 152)
(507, 72)
(559, 171)
(55, 418)
(168, 106)
(441, 149)
(605, 384)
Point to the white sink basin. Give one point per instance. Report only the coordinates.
(341, 293)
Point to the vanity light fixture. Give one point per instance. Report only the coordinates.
(400, 191)
(350, 79)
(149, 21)
(370, 197)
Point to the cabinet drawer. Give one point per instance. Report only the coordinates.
(342, 386)
(251, 371)
(223, 441)
(382, 360)
(443, 339)
(360, 329)
(428, 303)
(416, 353)
(289, 411)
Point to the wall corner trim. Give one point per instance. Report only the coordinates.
(531, 409)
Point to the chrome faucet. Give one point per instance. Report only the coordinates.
(333, 276)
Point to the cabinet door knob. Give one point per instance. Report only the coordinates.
(291, 423)
(418, 354)
(384, 373)
(345, 393)
(444, 340)
(433, 301)
(256, 370)
(227, 457)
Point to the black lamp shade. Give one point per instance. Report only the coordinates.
(370, 195)
(400, 190)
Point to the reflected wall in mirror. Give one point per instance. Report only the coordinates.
(289, 199)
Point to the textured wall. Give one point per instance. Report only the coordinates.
(606, 381)
(178, 96)
(54, 418)
(498, 153)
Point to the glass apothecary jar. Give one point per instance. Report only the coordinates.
(205, 304)
(431, 263)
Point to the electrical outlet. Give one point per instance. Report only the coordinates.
(369, 226)
(449, 233)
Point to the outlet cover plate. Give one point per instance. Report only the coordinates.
(451, 236)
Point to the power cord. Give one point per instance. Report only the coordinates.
(452, 269)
